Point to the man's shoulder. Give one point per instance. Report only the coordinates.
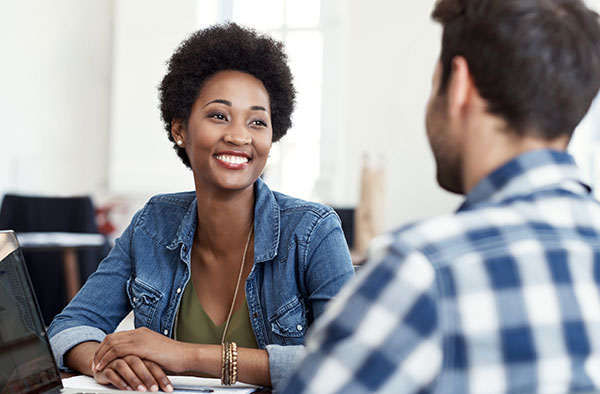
(494, 228)
(446, 237)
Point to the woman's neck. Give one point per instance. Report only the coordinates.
(224, 220)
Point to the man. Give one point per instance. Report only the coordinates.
(503, 295)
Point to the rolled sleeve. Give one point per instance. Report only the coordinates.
(65, 340)
(282, 360)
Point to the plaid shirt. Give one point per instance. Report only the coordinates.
(501, 297)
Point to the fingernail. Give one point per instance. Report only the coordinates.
(141, 388)
(169, 388)
(93, 365)
(129, 388)
(154, 388)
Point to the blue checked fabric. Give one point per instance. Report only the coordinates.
(500, 297)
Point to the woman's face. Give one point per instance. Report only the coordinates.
(229, 132)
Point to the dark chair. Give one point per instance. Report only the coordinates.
(347, 217)
(52, 214)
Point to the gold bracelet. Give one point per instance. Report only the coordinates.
(225, 364)
(229, 358)
(234, 354)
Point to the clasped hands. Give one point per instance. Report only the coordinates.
(136, 360)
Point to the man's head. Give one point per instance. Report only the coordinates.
(534, 63)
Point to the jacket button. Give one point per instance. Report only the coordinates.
(134, 299)
(299, 327)
(178, 290)
(255, 315)
(166, 332)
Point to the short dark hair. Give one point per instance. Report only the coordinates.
(219, 48)
(535, 62)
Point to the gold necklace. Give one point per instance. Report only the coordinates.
(237, 285)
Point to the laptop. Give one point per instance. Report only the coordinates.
(27, 365)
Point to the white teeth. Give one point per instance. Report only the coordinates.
(232, 159)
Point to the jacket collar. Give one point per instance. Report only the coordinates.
(266, 225)
(528, 173)
(266, 222)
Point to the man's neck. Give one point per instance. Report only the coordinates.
(490, 145)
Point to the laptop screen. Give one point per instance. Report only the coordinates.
(26, 361)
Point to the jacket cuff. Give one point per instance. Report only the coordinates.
(282, 360)
(67, 339)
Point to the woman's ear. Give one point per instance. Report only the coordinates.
(178, 132)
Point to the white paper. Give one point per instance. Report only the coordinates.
(181, 384)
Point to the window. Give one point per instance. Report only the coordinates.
(294, 165)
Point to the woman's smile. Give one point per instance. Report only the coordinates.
(233, 160)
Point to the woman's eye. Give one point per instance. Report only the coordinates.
(218, 116)
(259, 122)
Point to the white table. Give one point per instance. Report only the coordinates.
(68, 244)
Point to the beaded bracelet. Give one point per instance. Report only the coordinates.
(225, 365)
(229, 363)
(234, 354)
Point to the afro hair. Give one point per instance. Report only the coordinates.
(219, 48)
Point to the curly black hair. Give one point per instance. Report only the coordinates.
(226, 47)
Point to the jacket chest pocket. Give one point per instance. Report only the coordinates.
(144, 300)
(289, 322)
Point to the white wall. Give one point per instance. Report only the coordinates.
(390, 51)
(146, 32)
(54, 95)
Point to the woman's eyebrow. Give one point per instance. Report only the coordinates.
(220, 101)
(258, 108)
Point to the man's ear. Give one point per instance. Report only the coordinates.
(460, 86)
(178, 132)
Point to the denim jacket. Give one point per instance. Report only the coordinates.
(301, 261)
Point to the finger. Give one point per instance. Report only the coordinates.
(109, 376)
(105, 345)
(109, 356)
(126, 371)
(159, 376)
(97, 355)
(142, 371)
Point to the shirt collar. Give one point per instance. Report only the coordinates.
(527, 173)
(266, 224)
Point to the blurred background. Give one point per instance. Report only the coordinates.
(78, 101)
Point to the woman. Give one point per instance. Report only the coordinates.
(232, 262)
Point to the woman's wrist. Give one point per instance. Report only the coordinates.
(205, 359)
(252, 364)
(80, 357)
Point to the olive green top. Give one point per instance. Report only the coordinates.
(195, 326)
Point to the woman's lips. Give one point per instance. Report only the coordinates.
(233, 161)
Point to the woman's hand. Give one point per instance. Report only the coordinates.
(177, 357)
(145, 344)
(133, 373)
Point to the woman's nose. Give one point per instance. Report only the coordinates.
(237, 134)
